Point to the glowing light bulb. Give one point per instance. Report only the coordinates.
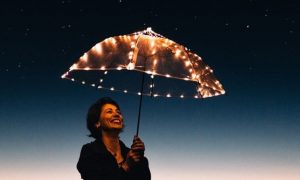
(72, 79)
(119, 68)
(105, 72)
(64, 75)
(93, 85)
(168, 95)
(84, 57)
(82, 82)
(99, 87)
(125, 91)
(152, 43)
(167, 75)
(112, 88)
(74, 66)
(194, 75)
(132, 45)
(155, 95)
(187, 63)
(130, 66)
(181, 96)
(102, 68)
(113, 40)
(177, 53)
(98, 48)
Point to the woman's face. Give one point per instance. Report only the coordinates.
(110, 118)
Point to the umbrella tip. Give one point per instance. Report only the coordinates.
(149, 29)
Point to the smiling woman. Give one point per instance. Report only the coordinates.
(108, 158)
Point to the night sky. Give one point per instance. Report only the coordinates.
(252, 132)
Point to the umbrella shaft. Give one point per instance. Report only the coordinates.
(140, 106)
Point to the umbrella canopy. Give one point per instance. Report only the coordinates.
(147, 52)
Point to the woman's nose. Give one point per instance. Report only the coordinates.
(118, 114)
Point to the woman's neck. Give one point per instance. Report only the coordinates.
(111, 141)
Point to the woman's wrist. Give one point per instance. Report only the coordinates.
(125, 166)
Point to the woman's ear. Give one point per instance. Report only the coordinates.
(97, 125)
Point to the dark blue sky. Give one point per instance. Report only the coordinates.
(252, 132)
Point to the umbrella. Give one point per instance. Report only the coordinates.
(168, 68)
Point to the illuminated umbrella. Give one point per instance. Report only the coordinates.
(113, 64)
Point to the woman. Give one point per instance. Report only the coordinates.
(107, 158)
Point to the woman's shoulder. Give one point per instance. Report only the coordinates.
(93, 147)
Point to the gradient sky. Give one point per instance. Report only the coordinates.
(253, 132)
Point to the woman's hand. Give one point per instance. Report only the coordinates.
(135, 154)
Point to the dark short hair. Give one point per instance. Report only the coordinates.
(93, 116)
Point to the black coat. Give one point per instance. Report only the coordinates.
(97, 163)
